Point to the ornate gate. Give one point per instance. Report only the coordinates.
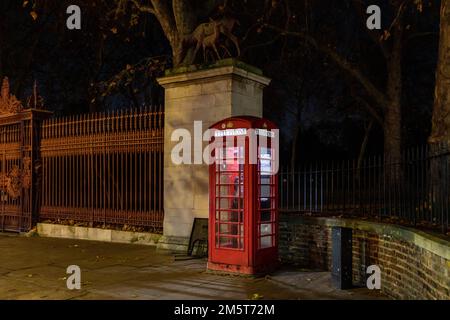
(103, 168)
(19, 160)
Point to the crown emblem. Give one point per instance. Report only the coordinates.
(9, 104)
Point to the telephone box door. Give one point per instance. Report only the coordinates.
(228, 176)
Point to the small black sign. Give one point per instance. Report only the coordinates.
(199, 238)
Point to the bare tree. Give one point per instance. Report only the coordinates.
(388, 99)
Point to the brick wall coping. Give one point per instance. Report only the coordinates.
(433, 243)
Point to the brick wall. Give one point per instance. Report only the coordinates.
(413, 265)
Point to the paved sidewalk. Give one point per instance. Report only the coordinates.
(35, 268)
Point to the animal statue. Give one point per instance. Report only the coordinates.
(226, 26)
(207, 35)
(209, 40)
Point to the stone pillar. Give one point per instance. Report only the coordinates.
(208, 94)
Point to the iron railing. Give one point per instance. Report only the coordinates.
(412, 190)
(104, 168)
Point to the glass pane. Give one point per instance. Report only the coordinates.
(265, 153)
(225, 216)
(266, 242)
(232, 216)
(226, 191)
(264, 180)
(265, 229)
(227, 177)
(222, 203)
(264, 203)
(229, 229)
(229, 203)
(266, 216)
(228, 165)
(265, 162)
(230, 153)
(225, 242)
(265, 191)
(233, 153)
(230, 184)
(265, 166)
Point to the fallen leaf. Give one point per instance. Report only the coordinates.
(256, 296)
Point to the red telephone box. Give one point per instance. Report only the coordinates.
(243, 214)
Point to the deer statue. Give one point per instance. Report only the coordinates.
(226, 26)
(207, 35)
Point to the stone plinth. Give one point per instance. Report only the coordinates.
(208, 94)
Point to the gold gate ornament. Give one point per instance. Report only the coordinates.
(9, 104)
(15, 180)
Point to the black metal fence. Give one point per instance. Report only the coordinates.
(411, 190)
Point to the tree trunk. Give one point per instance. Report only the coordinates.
(294, 146)
(177, 52)
(181, 54)
(440, 134)
(362, 149)
(441, 111)
(185, 16)
(392, 131)
(393, 112)
(186, 20)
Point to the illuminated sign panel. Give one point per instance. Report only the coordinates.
(243, 132)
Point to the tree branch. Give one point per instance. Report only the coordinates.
(373, 91)
(165, 17)
(205, 7)
(143, 8)
(185, 17)
(399, 15)
(371, 110)
(267, 43)
(373, 34)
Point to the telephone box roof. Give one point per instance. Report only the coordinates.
(244, 122)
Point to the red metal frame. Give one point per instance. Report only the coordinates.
(243, 224)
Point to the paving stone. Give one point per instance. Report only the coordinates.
(35, 268)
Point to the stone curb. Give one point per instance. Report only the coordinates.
(96, 234)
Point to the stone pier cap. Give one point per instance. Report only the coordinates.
(174, 77)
